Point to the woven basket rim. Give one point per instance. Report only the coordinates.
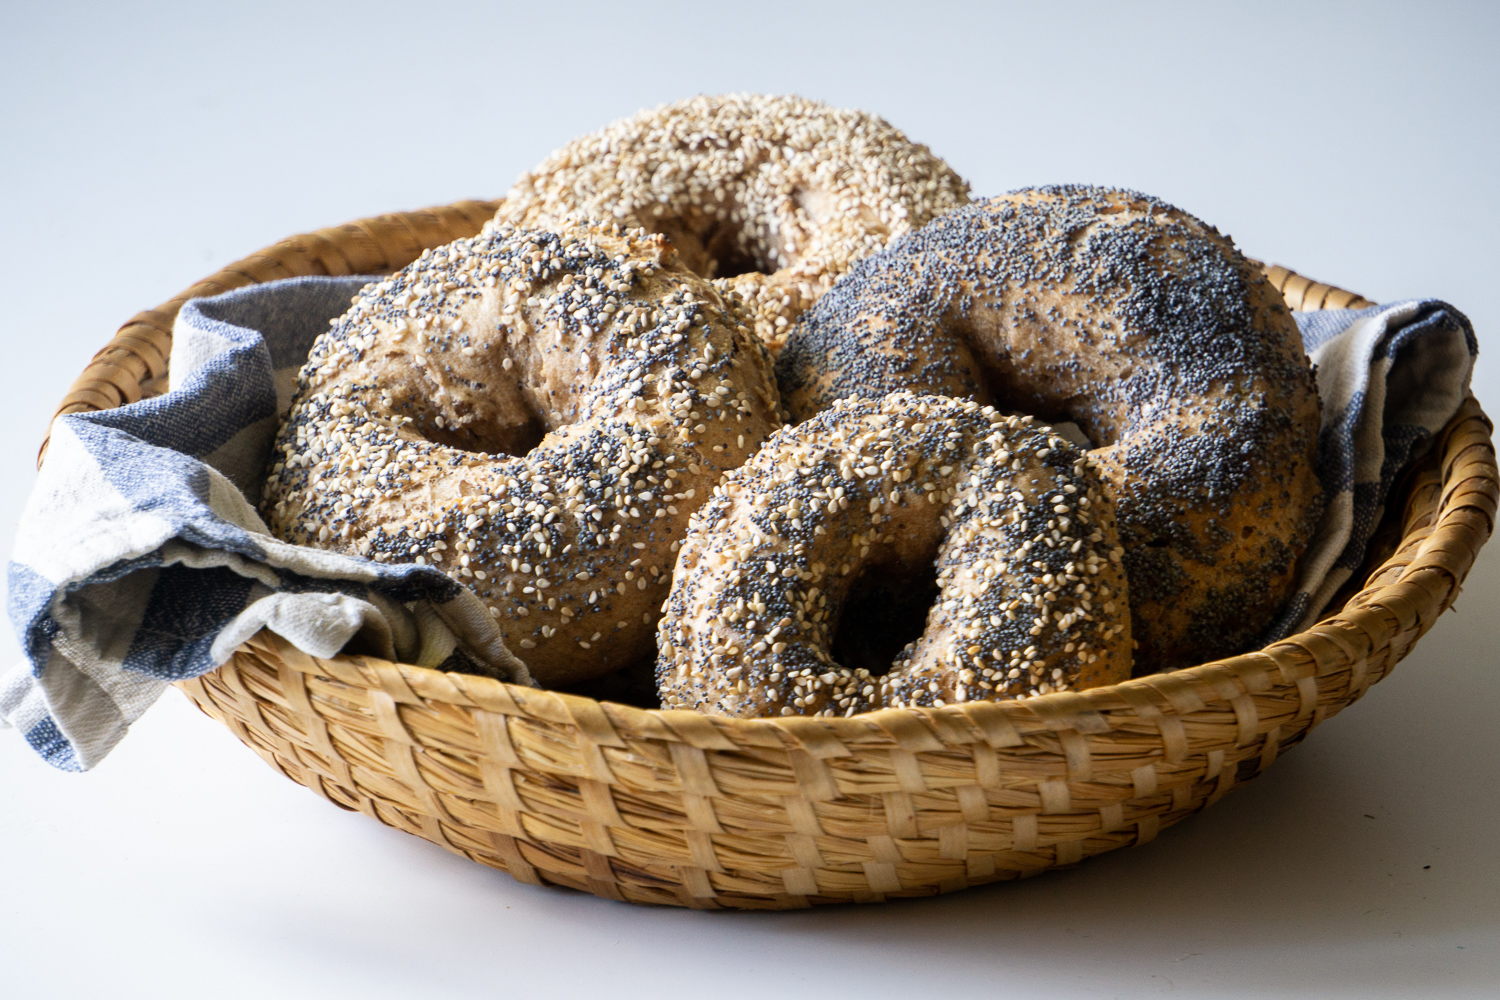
(134, 364)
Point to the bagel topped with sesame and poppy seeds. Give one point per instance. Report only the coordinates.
(538, 414)
(902, 552)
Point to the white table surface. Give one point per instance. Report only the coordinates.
(144, 147)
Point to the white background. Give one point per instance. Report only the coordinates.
(143, 147)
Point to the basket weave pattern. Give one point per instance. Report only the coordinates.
(679, 808)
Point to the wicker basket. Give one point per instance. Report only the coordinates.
(679, 808)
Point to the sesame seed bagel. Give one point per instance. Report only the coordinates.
(536, 413)
(772, 197)
(813, 562)
(1146, 328)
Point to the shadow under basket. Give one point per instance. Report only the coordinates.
(673, 807)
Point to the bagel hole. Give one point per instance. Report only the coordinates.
(886, 609)
(727, 259)
(1008, 381)
(710, 247)
(490, 438)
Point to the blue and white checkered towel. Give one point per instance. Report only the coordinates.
(140, 561)
(1390, 378)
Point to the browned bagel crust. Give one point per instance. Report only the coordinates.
(772, 197)
(1031, 596)
(1148, 329)
(536, 413)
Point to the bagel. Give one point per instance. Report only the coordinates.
(1146, 328)
(804, 573)
(537, 414)
(771, 197)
